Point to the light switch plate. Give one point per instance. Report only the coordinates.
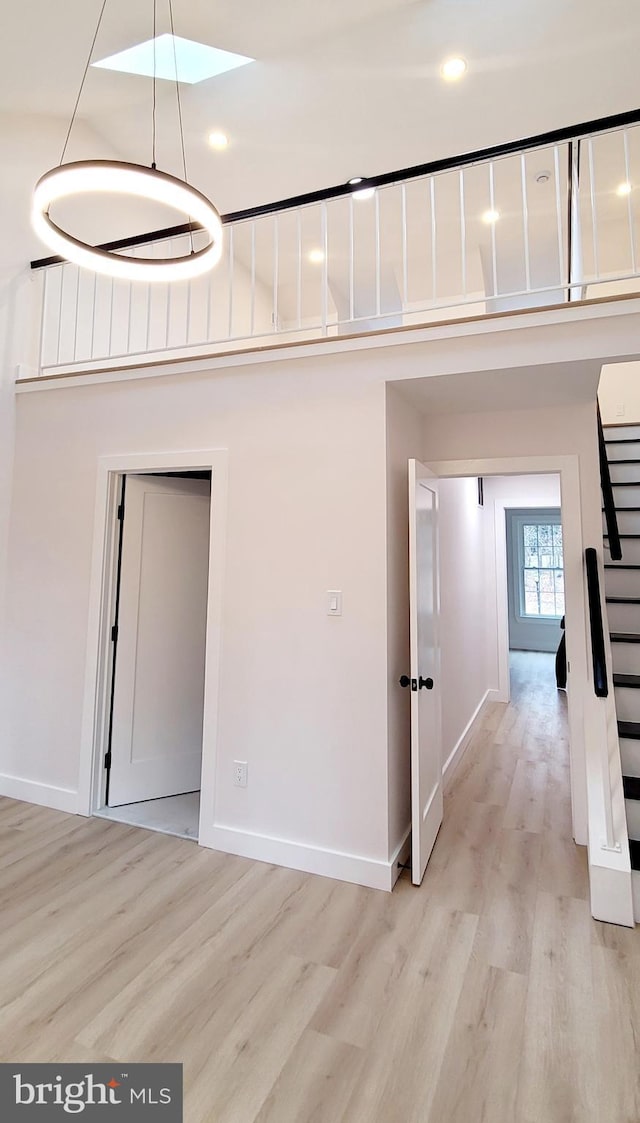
(334, 602)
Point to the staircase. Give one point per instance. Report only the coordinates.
(622, 589)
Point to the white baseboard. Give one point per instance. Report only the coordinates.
(298, 856)
(496, 695)
(459, 749)
(46, 795)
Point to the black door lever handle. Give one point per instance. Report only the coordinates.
(426, 682)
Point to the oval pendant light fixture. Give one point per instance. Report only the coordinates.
(117, 178)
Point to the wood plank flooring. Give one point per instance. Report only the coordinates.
(489, 994)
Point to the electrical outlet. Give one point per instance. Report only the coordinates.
(240, 773)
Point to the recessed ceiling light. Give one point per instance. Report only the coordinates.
(543, 177)
(170, 57)
(624, 188)
(490, 217)
(453, 69)
(218, 140)
(316, 256)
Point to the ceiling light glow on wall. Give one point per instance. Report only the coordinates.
(624, 188)
(218, 140)
(364, 193)
(453, 68)
(126, 179)
(174, 59)
(490, 217)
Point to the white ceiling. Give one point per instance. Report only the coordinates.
(338, 89)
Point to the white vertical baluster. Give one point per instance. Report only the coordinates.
(62, 268)
(130, 302)
(231, 267)
(377, 222)
(556, 166)
(109, 343)
(276, 268)
(253, 277)
(434, 259)
(43, 311)
(627, 173)
(325, 268)
(299, 270)
(188, 323)
(168, 304)
(405, 263)
(207, 328)
(75, 322)
(494, 251)
(463, 235)
(93, 315)
(594, 220)
(147, 333)
(525, 223)
(352, 260)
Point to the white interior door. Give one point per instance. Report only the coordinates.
(156, 730)
(426, 763)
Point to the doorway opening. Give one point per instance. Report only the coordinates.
(152, 764)
(496, 688)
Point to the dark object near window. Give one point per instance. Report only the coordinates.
(561, 661)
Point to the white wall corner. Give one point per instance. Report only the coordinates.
(45, 795)
(463, 742)
(401, 855)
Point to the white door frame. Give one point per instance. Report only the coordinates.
(95, 711)
(577, 633)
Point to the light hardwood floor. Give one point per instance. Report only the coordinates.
(489, 994)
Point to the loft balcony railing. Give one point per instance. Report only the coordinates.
(544, 221)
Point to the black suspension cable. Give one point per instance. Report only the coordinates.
(175, 64)
(75, 108)
(153, 112)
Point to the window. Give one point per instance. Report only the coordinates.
(541, 572)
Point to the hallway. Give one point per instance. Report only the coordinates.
(488, 994)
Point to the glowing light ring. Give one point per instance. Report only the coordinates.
(122, 178)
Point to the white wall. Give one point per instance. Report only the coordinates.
(303, 696)
(619, 393)
(464, 681)
(501, 492)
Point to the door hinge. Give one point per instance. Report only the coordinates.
(107, 760)
(120, 512)
(114, 633)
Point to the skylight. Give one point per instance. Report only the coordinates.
(166, 54)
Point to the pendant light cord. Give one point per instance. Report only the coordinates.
(175, 66)
(153, 111)
(75, 108)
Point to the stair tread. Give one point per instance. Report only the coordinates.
(634, 850)
(630, 729)
(633, 460)
(622, 600)
(624, 637)
(622, 440)
(617, 565)
(631, 787)
(624, 536)
(626, 680)
(625, 483)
